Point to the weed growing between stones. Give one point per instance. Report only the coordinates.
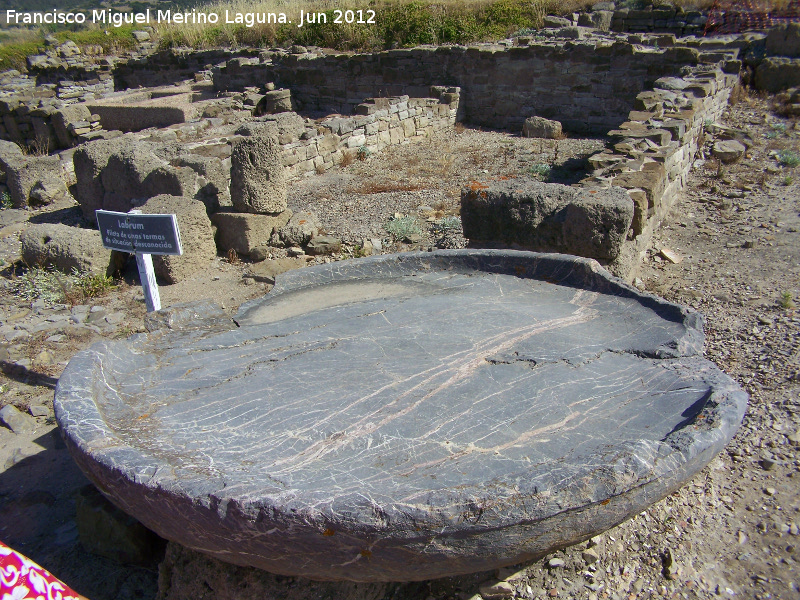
(347, 159)
(359, 252)
(786, 300)
(5, 201)
(403, 227)
(778, 130)
(54, 287)
(788, 158)
(233, 257)
(787, 180)
(540, 171)
(363, 153)
(449, 223)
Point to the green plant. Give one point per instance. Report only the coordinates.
(363, 153)
(450, 222)
(92, 285)
(787, 180)
(786, 301)
(53, 287)
(540, 170)
(778, 129)
(788, 158)
(40, 284)
(402, 227)
(359, 252)
(5, 201)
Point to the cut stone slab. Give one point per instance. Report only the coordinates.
(539, 127)
(243, 232)
(547, 216)
(728, 151)
(197, 237)
(69, 249)
(355, 425)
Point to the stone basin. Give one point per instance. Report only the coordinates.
(402, 417)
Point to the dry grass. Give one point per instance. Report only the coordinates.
(380, 187)
(402, 22)
(348, 158)
(233, 257)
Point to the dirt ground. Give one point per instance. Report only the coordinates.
(735, 246)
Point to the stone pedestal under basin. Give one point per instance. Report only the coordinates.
(402, 417)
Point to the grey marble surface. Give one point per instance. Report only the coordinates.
(403, 417)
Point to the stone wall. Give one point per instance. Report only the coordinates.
(654, 150)
(650, 157)
(588, 86)
(378, 122)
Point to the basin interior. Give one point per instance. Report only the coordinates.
(397, 388)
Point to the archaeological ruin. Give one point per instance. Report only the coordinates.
(333, 429)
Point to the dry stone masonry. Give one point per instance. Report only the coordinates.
(229, 139)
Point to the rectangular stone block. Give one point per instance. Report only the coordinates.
(548, 217)
(243, 232)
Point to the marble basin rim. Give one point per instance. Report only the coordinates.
(402, 417)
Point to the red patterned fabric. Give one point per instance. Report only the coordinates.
(23, 579)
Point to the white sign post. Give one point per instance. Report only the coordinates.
(142, 235)
(148, 278)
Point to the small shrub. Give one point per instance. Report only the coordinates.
(91, 285)
(459, 128)
(449, 223)
(787, 180)
(402, 227)
(53, 287)
(786, 300)
(359, 252)
(347, 159)
(540, 171)
(38, 283)
(363, 153)
(788, 158)
(5, 201)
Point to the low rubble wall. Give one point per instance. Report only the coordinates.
(589, 87)
(653, 151)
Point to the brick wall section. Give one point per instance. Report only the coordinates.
(654, 150)
(379, 122)
(588, 86)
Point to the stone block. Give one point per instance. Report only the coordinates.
(44, 173)
(539, 127)
(547, 217)
(197, 237)
(784, 40)
(777, 73)
(68, 249)
(651, 181)
(62, 119)
(9, 153)
(243, 232)
(300, 229)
